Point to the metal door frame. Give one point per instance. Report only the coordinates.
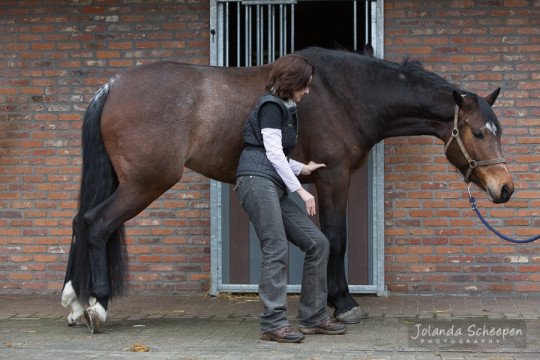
(375, 176)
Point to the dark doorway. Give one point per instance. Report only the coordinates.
(316, 23)
(323, 23)
(329, 23)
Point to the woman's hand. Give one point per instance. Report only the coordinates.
(309, 200)
(310, 167)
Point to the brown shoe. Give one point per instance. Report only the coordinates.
(285, 334)
(327, 327)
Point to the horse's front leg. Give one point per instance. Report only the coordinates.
(332, 189)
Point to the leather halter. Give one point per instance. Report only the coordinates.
(472, 163)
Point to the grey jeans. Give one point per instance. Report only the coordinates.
(278, 219)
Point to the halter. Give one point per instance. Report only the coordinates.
(472, 163)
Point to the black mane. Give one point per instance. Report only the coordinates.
(414, 67)
(407, 66)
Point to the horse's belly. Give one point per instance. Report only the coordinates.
(214, 170)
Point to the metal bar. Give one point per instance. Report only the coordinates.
(219, 34)
(216, 236)
(366, 21)
(215, 186)
(355, 26)
(273, 57)
(226, 34)
(378, 45)
(285, 30)
(247, 29)
(257, 34)
(280, 30)
(250, 36)
(369, 23)
(262, 35)
(213, 26)
(238, 45)
(269, 30)
(260, 39)
(292, 28)
(245, 36)
(295, 289)
(378, 176)
(264, 2)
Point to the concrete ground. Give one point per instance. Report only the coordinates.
(226, 327)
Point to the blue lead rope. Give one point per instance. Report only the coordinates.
(472, 200)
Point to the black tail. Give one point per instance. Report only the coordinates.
(98, 182)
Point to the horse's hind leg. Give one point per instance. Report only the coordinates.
(69, 297)
(101, 222)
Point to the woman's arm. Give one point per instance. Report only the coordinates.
(274, 153)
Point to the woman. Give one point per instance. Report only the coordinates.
(265, 177)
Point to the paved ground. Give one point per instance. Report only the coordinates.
(226, 327)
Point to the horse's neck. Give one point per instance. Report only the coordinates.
(417, 111)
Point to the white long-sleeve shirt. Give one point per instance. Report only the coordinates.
(274, 152)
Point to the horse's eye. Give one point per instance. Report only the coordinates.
(478, 134)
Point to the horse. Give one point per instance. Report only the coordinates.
(145, 125)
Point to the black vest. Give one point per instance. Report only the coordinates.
(253, 160)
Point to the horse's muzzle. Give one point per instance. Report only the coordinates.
(504, 194)
(501, 193)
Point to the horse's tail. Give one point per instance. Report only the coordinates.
(98, 182)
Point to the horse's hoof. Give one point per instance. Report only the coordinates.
(93, 320)
(353, 316)
(79, 321)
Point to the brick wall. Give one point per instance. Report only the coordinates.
(434, 242)
(53, 56)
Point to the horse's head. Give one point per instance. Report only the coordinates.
(474, 145)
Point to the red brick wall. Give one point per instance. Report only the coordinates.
(53, 57)
(434, 242)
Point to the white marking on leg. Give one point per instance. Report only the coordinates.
(77, 313)
(68, 294)
(69, 299)
(97, 308)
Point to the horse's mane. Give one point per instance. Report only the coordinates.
(415, 68)
(407, 66)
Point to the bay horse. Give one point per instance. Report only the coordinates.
(144, 126)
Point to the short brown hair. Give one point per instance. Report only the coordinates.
(290, 73)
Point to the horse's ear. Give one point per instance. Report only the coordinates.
(368, 50)
(492, 97)
(338, 46)
(458, 99)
